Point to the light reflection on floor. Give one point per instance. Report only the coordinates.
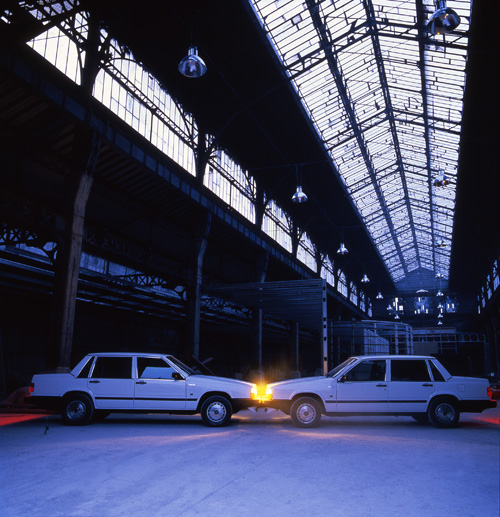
(14, 418)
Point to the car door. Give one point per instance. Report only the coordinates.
(410, 386)
(158, 386)
(363, 388)
(111, 383)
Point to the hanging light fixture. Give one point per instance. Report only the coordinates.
(439, 293)
(379, 296)
(439, 275)
(299, 196)
(440, 316)
(342, 249)
(440, 322)
(441, 243)
(441, 180)
(444, 20)
(397, 316)
(365, 279)
(192, 65)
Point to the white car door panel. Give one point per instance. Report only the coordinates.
(160, 394)
(410, 386)
(156, 387)
(111, 383)
(362, 397)
(363, 389)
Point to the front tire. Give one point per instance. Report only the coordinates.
(443, 413)
(216, 411)
(305, 412)
(77, 410)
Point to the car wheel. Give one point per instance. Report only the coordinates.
(443, 413)
(216, 411)
(77, 410)
(305, 412)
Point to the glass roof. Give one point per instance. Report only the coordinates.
(386, 100)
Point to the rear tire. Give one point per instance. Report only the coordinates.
(305, 412)
(443, 413)
(77, 410)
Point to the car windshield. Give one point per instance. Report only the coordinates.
(340, 367)
(181, 366)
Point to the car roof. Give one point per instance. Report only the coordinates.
(393, 356)
(129, 354)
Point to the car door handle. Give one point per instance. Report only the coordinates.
(381, 385)
(428, 384)
(141, 382)
(94, 382)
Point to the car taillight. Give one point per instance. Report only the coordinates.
(490, 392)
(32, 388)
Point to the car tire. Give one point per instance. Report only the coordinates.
(216, 411)
(443, 413)
(305, 412)
(77, 410)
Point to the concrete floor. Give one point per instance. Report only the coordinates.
(261, 465)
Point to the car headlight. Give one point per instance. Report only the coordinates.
(261, 393)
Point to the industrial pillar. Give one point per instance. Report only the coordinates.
(67, 264)
(257, 373)
(294, 349)
(193, 292)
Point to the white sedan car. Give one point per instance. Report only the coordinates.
(128, 382)
(416, 386)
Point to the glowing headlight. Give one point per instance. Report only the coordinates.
(261, 393)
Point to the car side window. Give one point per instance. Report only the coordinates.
(409, 370)
(84, 372)
(366, 371)
(438, 377)
(113, 368)
(153, 368)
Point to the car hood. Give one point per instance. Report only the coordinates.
(210, 379)
(296, 382)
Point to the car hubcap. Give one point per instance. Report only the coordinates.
(306, 413)
(216, 412)
(76, 410)
(445, 413)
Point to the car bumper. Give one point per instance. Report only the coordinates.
(476, 406)
(49, 403)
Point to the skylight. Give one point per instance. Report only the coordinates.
(386, 100)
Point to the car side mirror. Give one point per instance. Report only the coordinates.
(177, 376)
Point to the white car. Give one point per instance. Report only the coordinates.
(417, 386)
(128, 382)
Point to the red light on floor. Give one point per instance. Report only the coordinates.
(9, 418)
